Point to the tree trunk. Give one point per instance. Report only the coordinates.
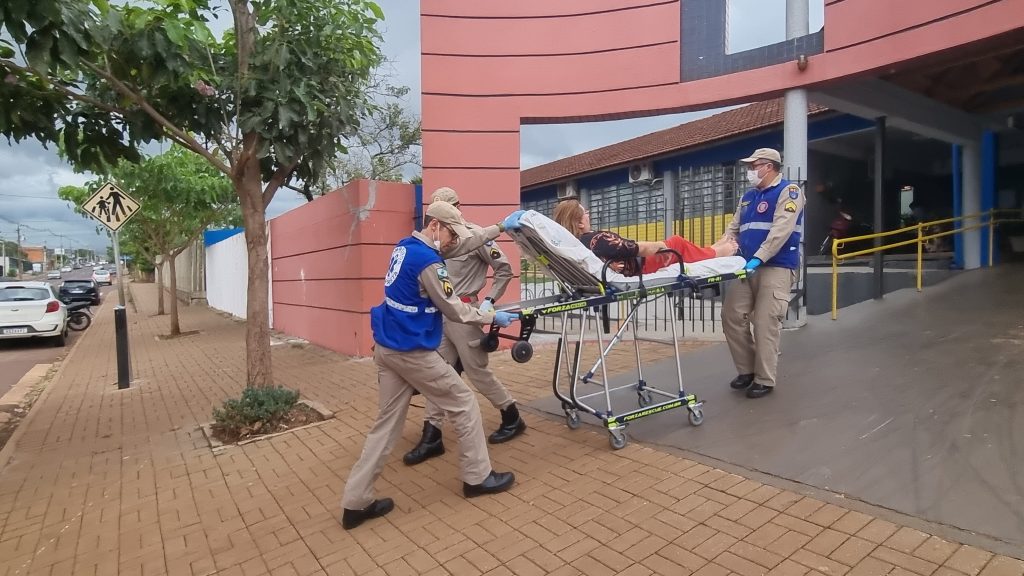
(160, 290)
(257, 327)
(171, 271)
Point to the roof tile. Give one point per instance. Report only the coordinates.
(723, 125)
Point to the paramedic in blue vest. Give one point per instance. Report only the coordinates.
(460, 344)
(407, 331)
(767, 224)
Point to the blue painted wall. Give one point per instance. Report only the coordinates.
(211, 237)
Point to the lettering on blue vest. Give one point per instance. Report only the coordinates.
(757, 211)
(407, 320)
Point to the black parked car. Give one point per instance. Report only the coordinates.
(80, 291)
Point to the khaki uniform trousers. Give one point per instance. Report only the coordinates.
(760, 300)
(460, 342)
(398, 374)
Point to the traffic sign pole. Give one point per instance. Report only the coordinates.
(113, 208)
(117, 264)
(124, 354)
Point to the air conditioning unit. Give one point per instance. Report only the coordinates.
(643, 172)
(568, 190)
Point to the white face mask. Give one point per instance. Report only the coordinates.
(753, 178)
(437, 243)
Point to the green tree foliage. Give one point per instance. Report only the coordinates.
(180, 195)
(268, 104)
(388, 141)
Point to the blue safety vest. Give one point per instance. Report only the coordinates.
(406, 320)
(757, 210)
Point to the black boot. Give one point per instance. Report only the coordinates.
(430, 445)
(352, 518)
(494, 483)
(512, 425)
(742, 382)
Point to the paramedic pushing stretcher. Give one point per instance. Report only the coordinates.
(407, 330)
(768, 223)
(460, 343)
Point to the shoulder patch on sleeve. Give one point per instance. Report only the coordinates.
(446, 285)
(495, 254)
(790, 206)
(794, 191)
(442, 272)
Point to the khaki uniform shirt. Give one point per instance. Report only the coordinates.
(787, 210)
(469, 272)
(436, 284)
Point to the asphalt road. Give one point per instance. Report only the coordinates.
(17, 357)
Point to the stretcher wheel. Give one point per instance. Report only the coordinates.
(696, 416)
(643, 398)
(489, 342)
(618, 440)
(572, 420)
(522, 351)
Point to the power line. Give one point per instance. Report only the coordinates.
(34, 197)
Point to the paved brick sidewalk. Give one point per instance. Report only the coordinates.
(108, 482)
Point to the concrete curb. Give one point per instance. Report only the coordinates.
(217, 446)
(8, 450)
(14, 397)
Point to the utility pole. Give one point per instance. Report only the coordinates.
(18, 255)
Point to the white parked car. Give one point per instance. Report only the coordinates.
(53, 275)
(66, 269)
(32, 310)
(102, 276)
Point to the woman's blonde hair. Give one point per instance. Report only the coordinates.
(569, 214)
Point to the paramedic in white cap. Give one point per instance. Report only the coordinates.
(767, 225)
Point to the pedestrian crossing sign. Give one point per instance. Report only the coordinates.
(111, 206)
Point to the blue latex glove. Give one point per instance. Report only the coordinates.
(486, 306)
(752, 264)
(505, 319)
(512, 220)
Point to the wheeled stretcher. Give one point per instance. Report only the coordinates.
(588, 286)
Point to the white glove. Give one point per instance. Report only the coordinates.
(487, 306)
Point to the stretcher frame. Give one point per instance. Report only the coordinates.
(583, 293)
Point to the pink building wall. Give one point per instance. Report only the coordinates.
(329, 258)
(488, 67)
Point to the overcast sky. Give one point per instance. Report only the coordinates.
(30, 175)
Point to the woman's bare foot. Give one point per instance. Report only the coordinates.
(725, 247)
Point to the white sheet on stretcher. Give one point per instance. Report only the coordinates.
(562, 242)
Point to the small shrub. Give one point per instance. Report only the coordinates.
(259, 409)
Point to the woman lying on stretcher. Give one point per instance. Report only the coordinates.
(609, 246)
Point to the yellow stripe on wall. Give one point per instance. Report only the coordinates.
(702, 230)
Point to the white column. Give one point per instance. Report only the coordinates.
(795, 129)
(972, 203)
(668, 189)
(795, 142)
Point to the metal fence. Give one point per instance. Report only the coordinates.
(638, 211)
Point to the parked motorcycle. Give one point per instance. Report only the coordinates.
(843, 226)
(79, 315)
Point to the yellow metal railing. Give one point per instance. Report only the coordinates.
(987, 219)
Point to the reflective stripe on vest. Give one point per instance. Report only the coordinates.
(409, 309)
(799, 229)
